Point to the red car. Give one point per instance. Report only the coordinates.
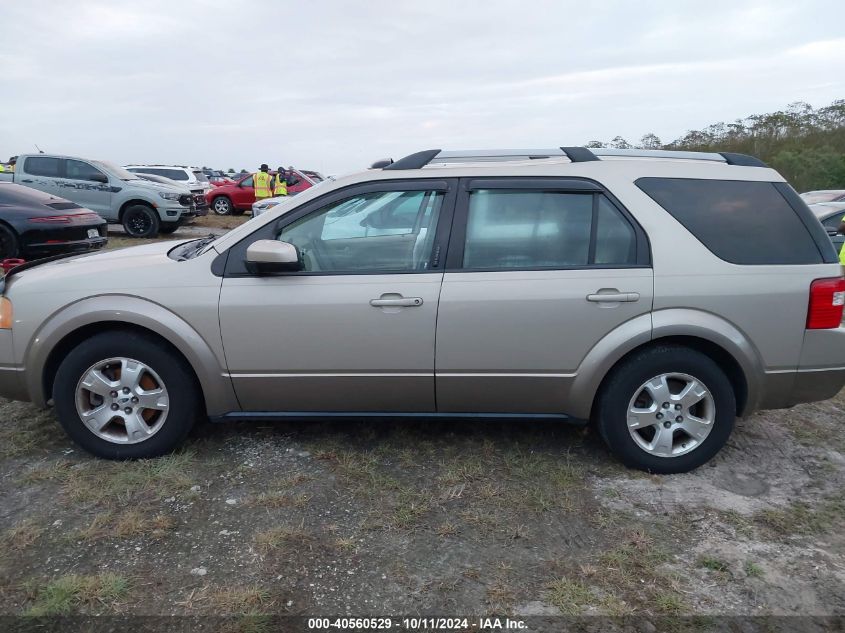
(236, 197)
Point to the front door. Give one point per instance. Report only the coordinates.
(538, 271)
(354, 331)
(83, 184)
(244, 194)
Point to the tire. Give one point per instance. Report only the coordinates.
(139, 220)
(221, 205)
(9, 245)
(623, 395)
(168, 228)
(159, 429)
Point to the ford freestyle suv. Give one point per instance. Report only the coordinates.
(657, 295)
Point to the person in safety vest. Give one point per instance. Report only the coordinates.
(841, 231)
(261, 181)
(280, 184)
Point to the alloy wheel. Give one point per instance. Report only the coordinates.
(671, 415)
(122, 400)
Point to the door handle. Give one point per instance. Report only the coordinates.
(614, 297)
(26, 180)
(402, 302)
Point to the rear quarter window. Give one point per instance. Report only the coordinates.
(740, 222)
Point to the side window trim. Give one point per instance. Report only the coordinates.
(235, 254)
(457, 240)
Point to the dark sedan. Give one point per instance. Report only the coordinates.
(34, 224)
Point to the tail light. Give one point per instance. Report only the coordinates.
(72, 218)
(827, 298)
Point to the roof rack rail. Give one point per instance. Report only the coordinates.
(574, 154)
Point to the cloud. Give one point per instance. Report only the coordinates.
(333, 85)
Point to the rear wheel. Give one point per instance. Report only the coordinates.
(9, 246)
(221, 205)
(140, 221)
(666, 409)
(124, 395)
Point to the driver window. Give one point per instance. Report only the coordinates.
(381, 231)
(77, 170)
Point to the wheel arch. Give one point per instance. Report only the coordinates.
(73, 324)
(704, 332)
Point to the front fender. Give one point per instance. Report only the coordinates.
(210, 370)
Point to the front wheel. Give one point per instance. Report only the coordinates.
(125, 395)
(221, 205)
(140, 221)
(167, 229)
(667, 409)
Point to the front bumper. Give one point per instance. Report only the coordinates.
(11, 376)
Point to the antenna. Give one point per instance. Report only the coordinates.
(40, 151)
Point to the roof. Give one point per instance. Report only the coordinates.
(437, 157)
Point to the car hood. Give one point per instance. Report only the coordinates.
(157, 186)
(89, 270)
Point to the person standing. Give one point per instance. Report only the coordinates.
(280, 184)
(261, 182)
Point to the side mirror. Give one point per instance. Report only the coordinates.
(272, 256)
(99, 178)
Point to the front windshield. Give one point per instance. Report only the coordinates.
(120, 172)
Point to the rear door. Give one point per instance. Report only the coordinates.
(538, 271)
(42, 173)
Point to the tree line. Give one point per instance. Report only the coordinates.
(806, 145)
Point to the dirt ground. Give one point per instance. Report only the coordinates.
(367, 517)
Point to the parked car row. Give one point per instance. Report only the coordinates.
(143, 207)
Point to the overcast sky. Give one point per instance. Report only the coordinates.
(333, 85)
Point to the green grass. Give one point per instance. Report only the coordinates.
(753, 570)
(802, 518)
(713, 564)
(67, 594)
(570, 596)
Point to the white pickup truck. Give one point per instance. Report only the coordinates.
(144, 208)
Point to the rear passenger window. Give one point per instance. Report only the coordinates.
(42, 166)
(543, 229)
(739, 222)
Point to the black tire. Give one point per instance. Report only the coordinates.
(621, 385)
(168, 228)
(9, 245)
(182, 389)
(139, 220)
(221, 205)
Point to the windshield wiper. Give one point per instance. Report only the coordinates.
(192, 249)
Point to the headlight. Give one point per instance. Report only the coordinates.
(5, 314)
(168, 196)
